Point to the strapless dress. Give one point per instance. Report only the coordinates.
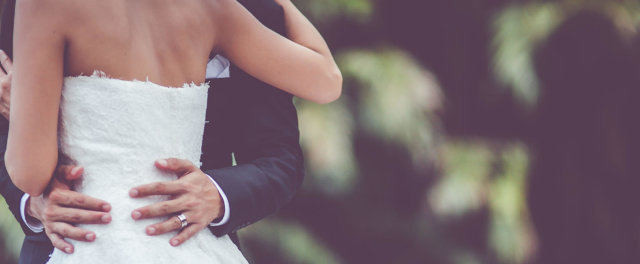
(116, 129)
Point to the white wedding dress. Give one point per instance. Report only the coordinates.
(116, 129)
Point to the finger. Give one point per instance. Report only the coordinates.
(70, 172)
(5, 85)
(6, 97)
(171, 224)
(71, 232)
(159, 209)
(64, 177)
(185, 234)
(6, 82)
(77, 216)
(7, 65)
(178, 166)
(158, 188)
(59, 243)
(67, 198)
(4, 111)
(57, 185)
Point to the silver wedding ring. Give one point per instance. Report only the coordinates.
(183, 220)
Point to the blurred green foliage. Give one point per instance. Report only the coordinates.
(11, 235)
(518, 30)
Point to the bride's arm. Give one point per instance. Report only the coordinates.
(32, 148)
(302, 66)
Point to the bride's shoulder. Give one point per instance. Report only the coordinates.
(40, 14)
(50, 10)
(36, 6)
(51, 5)
(227, 11)
(221, 10)
(224, 6)
(219, 5)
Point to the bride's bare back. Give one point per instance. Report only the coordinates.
(167, 41)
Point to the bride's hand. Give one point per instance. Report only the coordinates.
(192, 194)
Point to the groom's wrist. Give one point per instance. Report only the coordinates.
(224, 209)
(29, 215)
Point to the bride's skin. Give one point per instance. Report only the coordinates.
(166, 41)
(170, 56)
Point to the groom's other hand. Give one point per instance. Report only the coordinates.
(60, 208)
(5, 83)
(192, 194)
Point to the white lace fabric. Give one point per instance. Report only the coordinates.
(116, 129)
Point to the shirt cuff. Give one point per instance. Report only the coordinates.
(35, 225)
(227, 210)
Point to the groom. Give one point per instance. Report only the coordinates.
(248, 119)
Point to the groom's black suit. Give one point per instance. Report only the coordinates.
(256, 122)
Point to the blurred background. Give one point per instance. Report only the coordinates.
(469, 131)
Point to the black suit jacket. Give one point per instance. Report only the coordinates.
(254, 121)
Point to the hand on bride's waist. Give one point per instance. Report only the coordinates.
(193, 195)
(60, 208)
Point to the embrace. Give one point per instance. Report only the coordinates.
(117, 150)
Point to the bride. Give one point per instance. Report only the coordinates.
(94, 81)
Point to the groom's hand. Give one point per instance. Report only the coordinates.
(60, 208)
(5, 83)
(192, 194)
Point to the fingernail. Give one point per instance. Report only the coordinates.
(106, 218)
(90, 236)
(75, 170)
(133, 192)
(136, 214)
(162, 162)
(106, 208)
(174, 242)
(151, 230)
(68, 250)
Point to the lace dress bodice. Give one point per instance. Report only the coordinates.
(116, 129)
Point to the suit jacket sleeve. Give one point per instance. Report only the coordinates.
(260, 127)
(270, 164)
